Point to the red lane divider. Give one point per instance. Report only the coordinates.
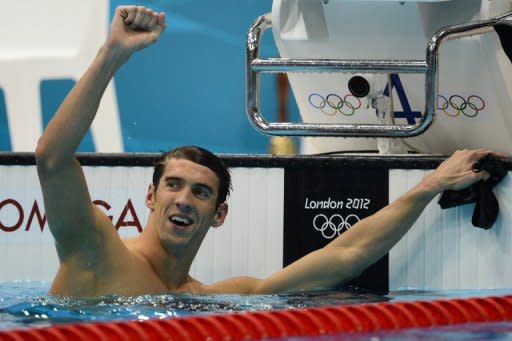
(283, 323)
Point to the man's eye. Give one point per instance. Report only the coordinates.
(173, 185)
(202, 193)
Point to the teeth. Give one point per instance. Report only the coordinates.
(181, 220)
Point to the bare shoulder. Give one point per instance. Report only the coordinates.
(119, 272)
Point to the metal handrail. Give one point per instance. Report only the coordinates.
(429, 67)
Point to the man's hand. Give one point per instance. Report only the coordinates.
(457, 172)
(135, 27)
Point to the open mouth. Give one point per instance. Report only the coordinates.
(181, 221)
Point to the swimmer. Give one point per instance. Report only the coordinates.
(186, 198)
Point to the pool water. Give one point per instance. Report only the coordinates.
(25, 304)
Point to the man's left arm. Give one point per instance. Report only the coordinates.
(367, 241)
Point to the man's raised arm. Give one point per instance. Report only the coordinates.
(72, 218)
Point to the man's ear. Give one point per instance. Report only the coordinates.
(220, 215)
(150, 197)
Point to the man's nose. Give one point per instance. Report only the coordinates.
(184, 200)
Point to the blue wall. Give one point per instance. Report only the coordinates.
(188, 88)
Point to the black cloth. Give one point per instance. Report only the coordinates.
(504, 32)
(486, 208)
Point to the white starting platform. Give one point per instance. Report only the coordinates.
(442, 62)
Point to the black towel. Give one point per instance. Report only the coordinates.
(504, 32)
(486, 208)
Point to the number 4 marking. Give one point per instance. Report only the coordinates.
(407, 113)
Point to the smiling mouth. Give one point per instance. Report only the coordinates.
(181, 221)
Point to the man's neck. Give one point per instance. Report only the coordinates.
(171, 267)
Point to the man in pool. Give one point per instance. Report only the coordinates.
(186, 198)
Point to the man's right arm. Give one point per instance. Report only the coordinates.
(70, 214)
(74, 222)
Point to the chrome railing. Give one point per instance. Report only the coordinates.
(429, 67)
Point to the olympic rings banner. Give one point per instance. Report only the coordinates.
(316, 212)
(333, 103)
(347, 105)
(454, 105)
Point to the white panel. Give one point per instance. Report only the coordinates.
(24, 247)
(29, 253)
(443, 250)
(121, 188)
(250, 241)
(433, 245)
(450, 247)
(504, 196)
(274, 221)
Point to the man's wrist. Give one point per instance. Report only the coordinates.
(430, 186)
(114, 54)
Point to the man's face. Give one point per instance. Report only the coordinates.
(183, 205)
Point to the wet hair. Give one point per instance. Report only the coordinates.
(202, 157)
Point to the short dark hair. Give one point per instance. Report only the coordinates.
(202, 157)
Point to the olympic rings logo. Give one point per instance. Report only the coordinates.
(335, 225)
(332, 103)
(454, 105)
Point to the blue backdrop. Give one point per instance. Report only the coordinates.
(188, 88)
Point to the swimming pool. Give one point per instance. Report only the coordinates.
(26, 308)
